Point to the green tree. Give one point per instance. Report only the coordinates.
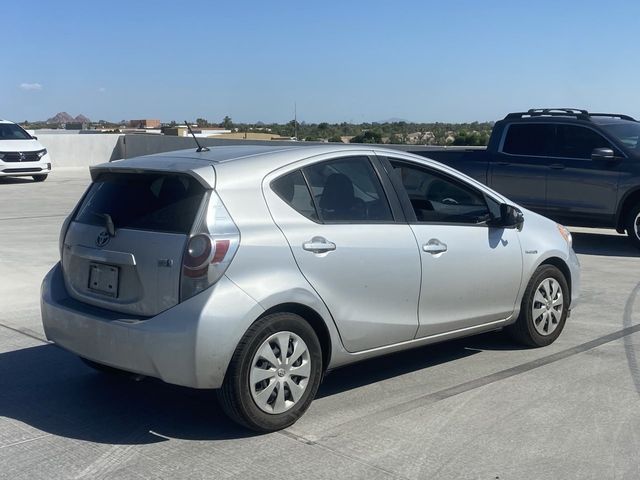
(227, 123)
(202, 122)
(368, 136)
(395, 139)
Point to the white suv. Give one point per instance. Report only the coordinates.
(21, 154)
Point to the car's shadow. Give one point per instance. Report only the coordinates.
(604, 244)
(52, 391)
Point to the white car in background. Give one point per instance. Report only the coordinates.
(21, 154)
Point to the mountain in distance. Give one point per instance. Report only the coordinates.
(64, 117)
(393, 120)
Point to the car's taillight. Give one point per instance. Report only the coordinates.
(210, 248)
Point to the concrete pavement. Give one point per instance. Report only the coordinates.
(481, 407)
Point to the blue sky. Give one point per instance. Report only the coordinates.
(339, 60)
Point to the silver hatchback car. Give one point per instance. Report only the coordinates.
(254, 270)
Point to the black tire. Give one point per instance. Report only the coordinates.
(39, 178)
(524, 330)
(235, 395)
(630, 225)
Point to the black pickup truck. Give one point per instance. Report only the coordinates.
(579, 168)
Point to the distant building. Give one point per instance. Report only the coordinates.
(145, 123)
(75, 126)
(183, 131)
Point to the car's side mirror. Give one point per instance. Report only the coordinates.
(602, 154)
(34, 137)
(510, 217)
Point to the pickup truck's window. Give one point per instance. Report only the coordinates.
(438, 198)
(293, 189)
(532, 139)
(573, 141)
(348, 190)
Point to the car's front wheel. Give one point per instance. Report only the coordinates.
(544, 308)
(274, 373)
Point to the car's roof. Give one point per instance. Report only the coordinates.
(245, 160)
(260, 157)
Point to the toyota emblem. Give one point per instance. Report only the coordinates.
(103, 238)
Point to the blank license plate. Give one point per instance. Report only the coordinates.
(103, 279)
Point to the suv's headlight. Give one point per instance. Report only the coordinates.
(42, 153)
(566, 234)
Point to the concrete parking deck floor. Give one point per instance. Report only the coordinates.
(481, 408)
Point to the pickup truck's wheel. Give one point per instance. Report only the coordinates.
(633, 225)
(544, 308)
(274, 373)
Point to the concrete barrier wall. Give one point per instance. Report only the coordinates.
(136, 145)
(69, 150)
(81, 150)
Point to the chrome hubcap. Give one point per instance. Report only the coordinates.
(548, 305)
(280, 372)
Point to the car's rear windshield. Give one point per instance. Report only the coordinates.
(149, 201)
(11, 131)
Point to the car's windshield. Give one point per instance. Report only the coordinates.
(627, 133)
(11, 131)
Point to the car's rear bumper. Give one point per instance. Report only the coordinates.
(184, 345)
(21, 169)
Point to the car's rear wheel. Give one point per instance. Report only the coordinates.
(39, 178)
(632, 225)
(274, 373)
(544, 308)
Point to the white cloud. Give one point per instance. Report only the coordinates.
(30, 86)
(102, 89)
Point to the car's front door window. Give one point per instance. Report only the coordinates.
(436, 198)
(573, 141)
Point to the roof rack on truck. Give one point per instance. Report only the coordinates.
(566, 112)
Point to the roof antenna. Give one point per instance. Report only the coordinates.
(195, 139)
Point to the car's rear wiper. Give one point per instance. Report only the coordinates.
(108, 222)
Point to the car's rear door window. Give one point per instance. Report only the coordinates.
(530, 139)
(293, 189)
(143, 201)
(348, 190)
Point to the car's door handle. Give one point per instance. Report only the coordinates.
(434, 246)
(557, 166)
(319, 245)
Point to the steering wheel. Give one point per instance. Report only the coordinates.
(449, 201)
